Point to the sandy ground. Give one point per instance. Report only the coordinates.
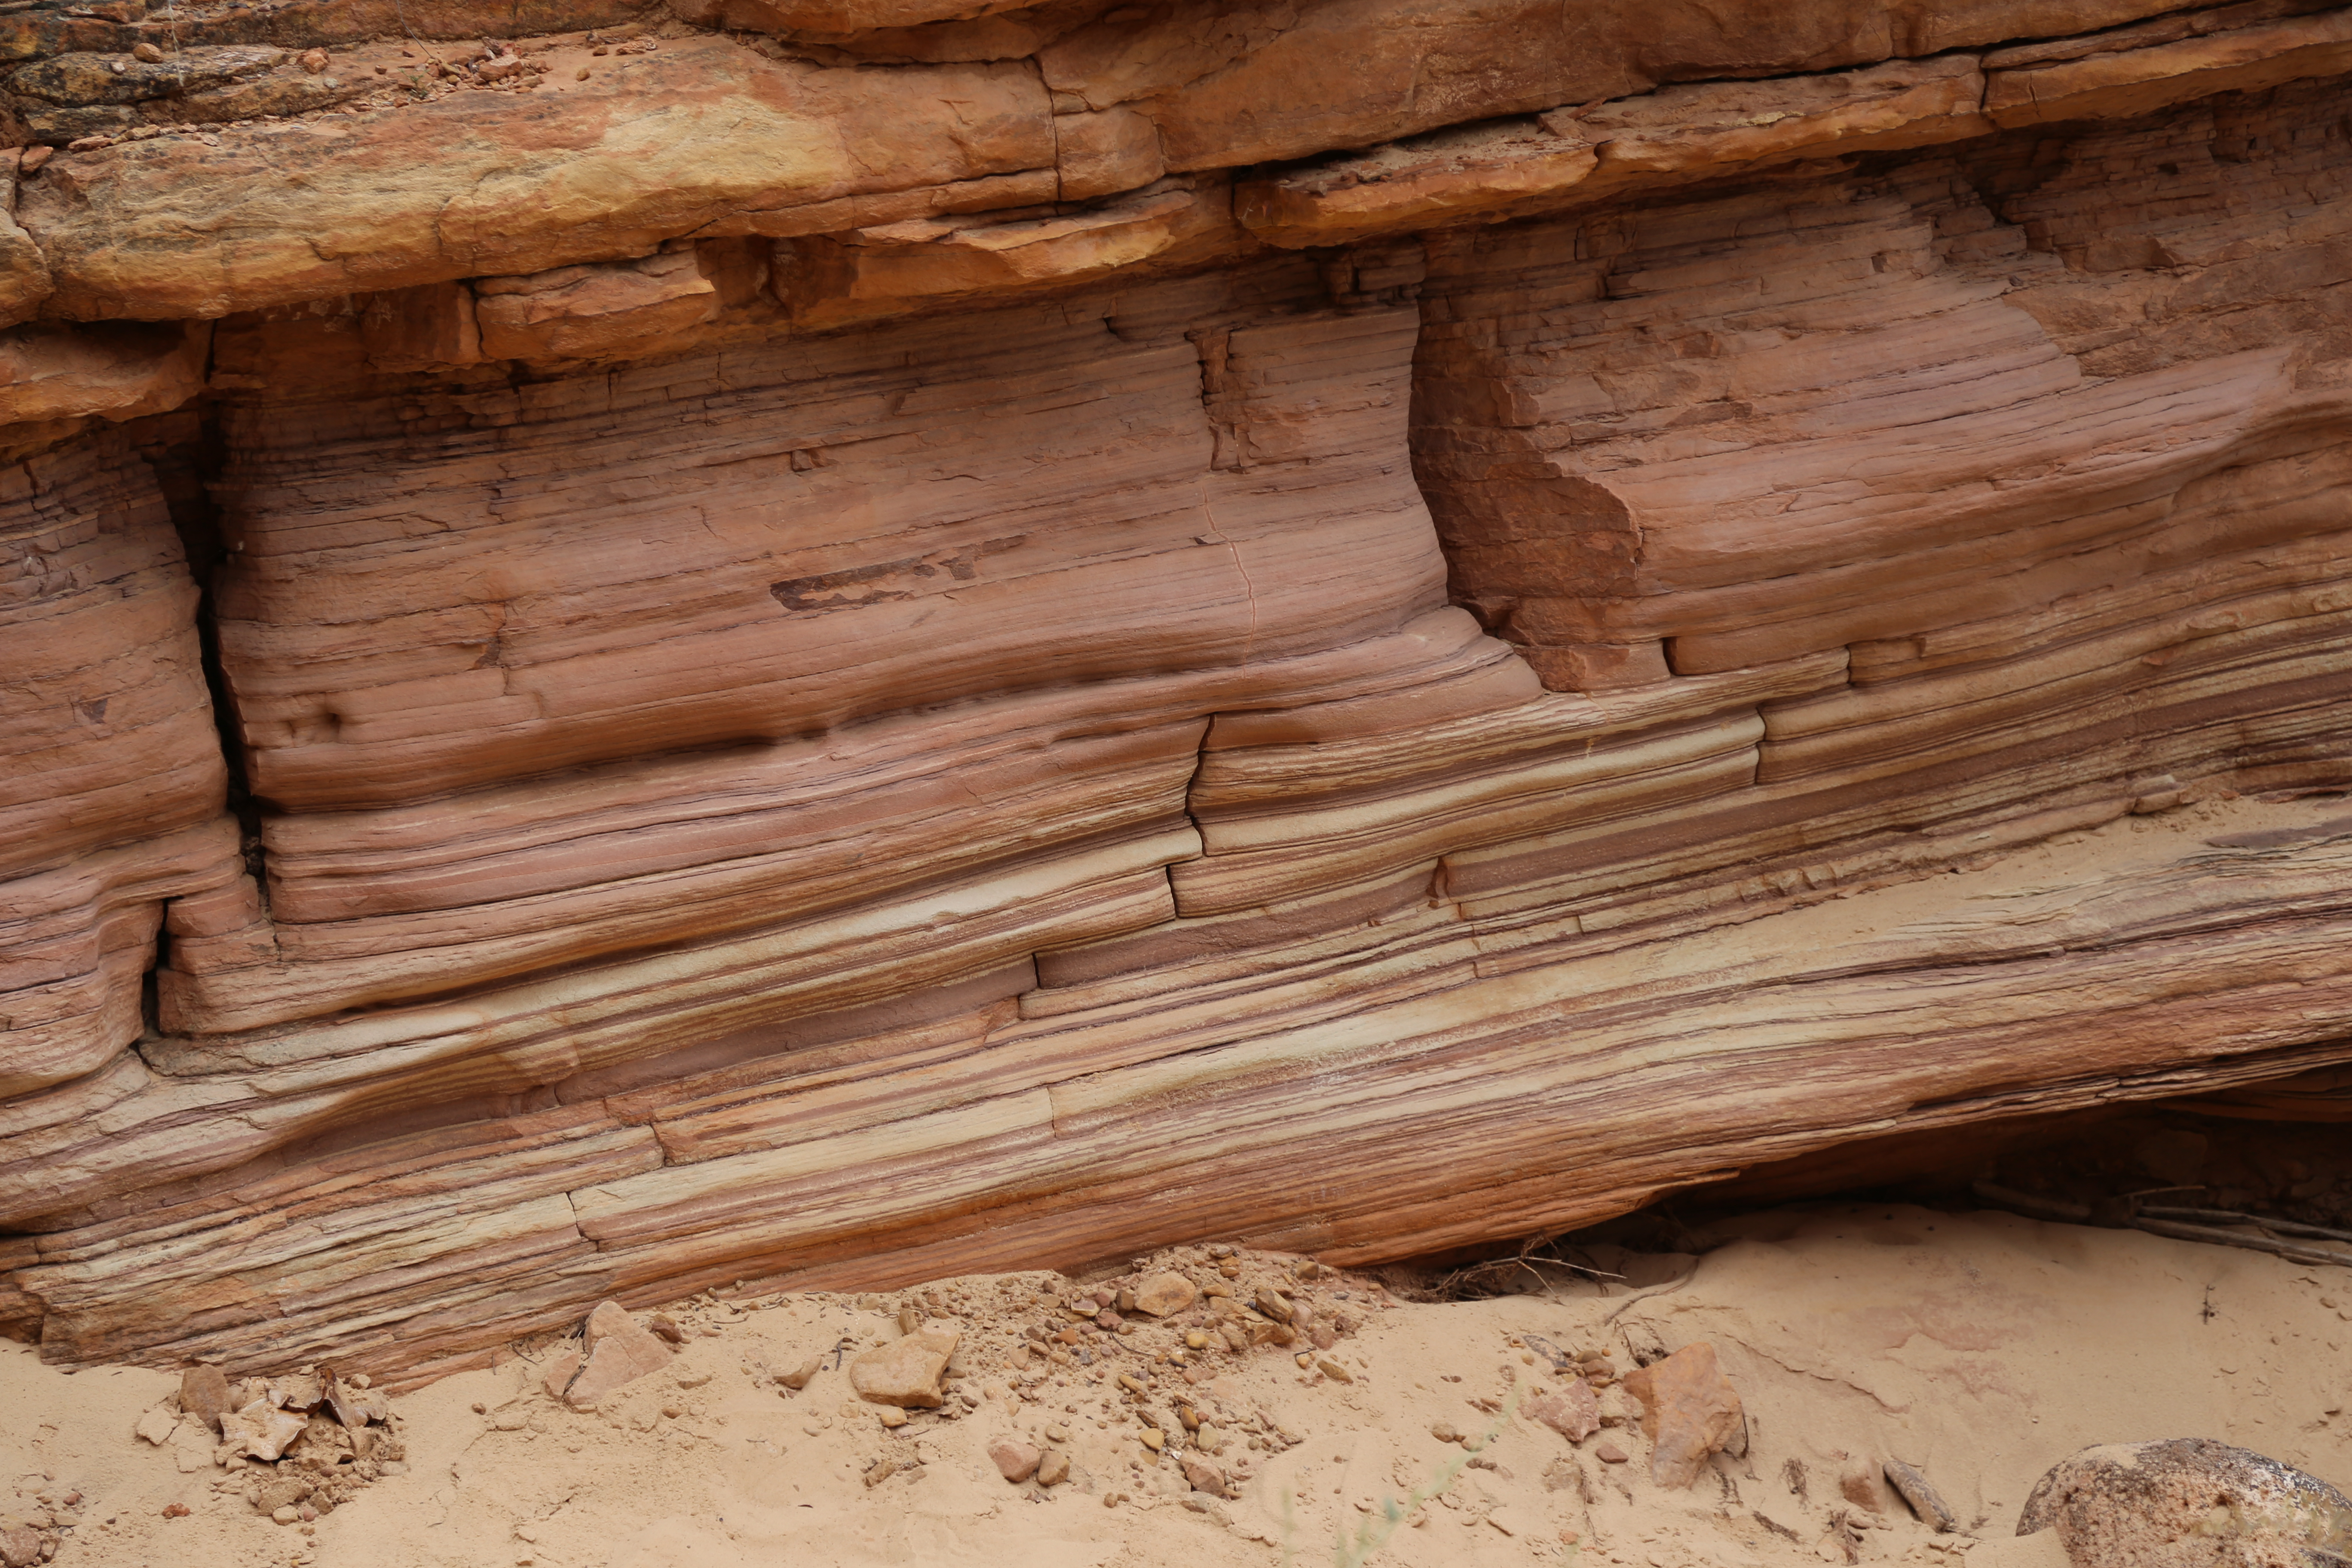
(1979, 1348)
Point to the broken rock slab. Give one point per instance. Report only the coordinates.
(1689, 1410)
(261, 1430)
(1164, 1295)
(203, 1393)
(615, 1351)
(1206, 1475)
(906, 1372)
(2187, 1502)
(1574, 1413)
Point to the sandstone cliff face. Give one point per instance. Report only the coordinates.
(850, 641)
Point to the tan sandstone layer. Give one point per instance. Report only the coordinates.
(755, 640)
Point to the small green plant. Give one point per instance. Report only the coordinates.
(1373, 1532)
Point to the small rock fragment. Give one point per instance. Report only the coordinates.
(1016, 1461)
(176, 1510)
(880, 1470)
(348, 1403)
(617, 1351)
(156, 1425)
(1859, 1486)
(892, 1416)
(287, 1514)
(666, 1326)
(1564, 1474)
(1163, 1295)
(1154, 1439)
(1689, 1411)
(146, 53)
(20, 1546)
(906, 1372)
(34, 158)
(1574, 1413)
(282, 1491)
(203, 1393)
(1334, 1371)
(314, 61)
(1609, 1453)
(262, 1430)
(296, 1391)
(1206, 1477)
(1932, 1509)
(1054, 1468)
(800, 1375)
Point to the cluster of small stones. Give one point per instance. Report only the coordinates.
(294, 1446)
(1144, 1345)
(35, 1525)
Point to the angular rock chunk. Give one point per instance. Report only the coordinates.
(296, 1391)
(1164, 1295)
(906, 1372)
(590, 309)
(262, 1430)
(1689, 1411)
(617, 1351)
(1206, 1477)
(203, 1393)
(1574, 1413)
(2186, 1503)
(1016, 1461)
(1102, 153)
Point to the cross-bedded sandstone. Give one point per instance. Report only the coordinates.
(845, 643)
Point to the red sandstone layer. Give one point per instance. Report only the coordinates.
(856, 643)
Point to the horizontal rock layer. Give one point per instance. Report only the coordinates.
(902, 166)
(877, 643)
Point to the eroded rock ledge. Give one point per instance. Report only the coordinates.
(758, 640)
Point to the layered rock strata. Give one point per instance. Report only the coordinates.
(764, 640)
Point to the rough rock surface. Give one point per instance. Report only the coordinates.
(614, 1349)
(2187, 1503)
(763, 638)
(1574, 1411)
(906, 1372)
(1689, 1412)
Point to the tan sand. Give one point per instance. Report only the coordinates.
(1979, 1349)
